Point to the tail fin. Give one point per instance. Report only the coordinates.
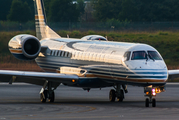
(42, 29)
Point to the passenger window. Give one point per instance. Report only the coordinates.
(51, 52)
(91, 56)
(73, 54)
(127, 56)
(87, 56)
(83, 56)
(62, 54)
(65, 55)
(102, 58)
(154, 55)
(139, 55)
(80, 55)
(76, 55)
(59, 53)
(69, 55)
(94, 56)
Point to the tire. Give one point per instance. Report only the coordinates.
(121, 98)
(42, 95)
(147, 102)
(51, 97)
(153, 102)
(112, 95)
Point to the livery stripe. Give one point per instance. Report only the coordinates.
(127, 79)
(115, 73)
(16, 51)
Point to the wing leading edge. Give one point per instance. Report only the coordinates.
(37, 78)
(173, 74)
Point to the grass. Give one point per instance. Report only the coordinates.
(20, 66)
(8, 62)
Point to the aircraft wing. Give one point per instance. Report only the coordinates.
(173, 74)
(37, 78)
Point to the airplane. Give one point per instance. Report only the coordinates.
(89, 62)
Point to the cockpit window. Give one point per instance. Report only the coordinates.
(154, 55)
(139, 55)
(127, 56)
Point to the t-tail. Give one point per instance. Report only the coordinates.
(42, 29)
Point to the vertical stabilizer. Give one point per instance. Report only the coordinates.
(42, 29)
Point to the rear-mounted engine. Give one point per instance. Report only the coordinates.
(94, 37)
(25, 47)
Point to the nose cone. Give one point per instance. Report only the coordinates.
(146, 64)
(151, 71)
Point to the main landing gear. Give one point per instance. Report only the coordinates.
(47, 92)
(50, 95)
(117, 93)
(151, 92)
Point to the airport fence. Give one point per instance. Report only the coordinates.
(96, 26)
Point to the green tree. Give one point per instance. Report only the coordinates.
(63, 11)
(19, 12)
(80, 6)
(128, 11)
(81, 9)
(47, 6)
(137, 10)
(106, 9)
(5, 6)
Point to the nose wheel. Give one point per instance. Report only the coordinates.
(150, 93)
(150, 101)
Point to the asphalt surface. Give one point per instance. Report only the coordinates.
(22, 101)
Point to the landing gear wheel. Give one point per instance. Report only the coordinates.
(153, 102)
(121, 98)
(112, 95)
(51, 97)
(147, 102)
(43, 96)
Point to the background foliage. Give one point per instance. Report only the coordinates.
(96, 10)
(136, 10)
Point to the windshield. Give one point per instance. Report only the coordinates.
(154, 55)
(139, 55)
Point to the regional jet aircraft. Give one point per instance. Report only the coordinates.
(89, 62)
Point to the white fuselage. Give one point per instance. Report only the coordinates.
(104, 60)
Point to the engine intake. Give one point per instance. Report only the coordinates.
(25, 47)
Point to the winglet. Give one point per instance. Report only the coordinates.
(42, 29)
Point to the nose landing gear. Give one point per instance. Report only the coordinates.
(150, 100)
(151, 92)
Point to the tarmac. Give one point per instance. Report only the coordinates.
(22, 102)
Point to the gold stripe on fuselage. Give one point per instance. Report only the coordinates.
(16, 51)
(124, 79)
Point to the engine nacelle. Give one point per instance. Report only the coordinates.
(94, 37)
(25, 47)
